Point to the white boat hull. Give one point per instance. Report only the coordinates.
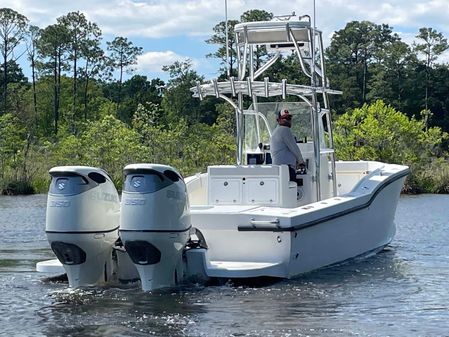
(345, 236)
(247, 241)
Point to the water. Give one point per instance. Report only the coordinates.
(402, 291)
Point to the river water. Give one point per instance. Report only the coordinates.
(402, 291)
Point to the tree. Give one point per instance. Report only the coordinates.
(18, 88)
(351, 54)
(439, 100)
(138, 90)
(14, 73)
(94, 66)
(146, 115)
(52, 46)
(433, 45)
(33, 35)
(379, 132)
(256, 15)
(107, 143)
(219, 38)
(157, 140)
(122, 55)
(82, 34)
(189, 148)
(391, 74)
(178, 102)
(206, 145)
(12, 32)
(12, 142)
(110, 144)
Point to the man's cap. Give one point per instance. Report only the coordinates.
(284, 114)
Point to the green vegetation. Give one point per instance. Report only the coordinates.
(379, 132)
(78, 108)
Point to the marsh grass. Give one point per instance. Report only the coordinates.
(17, 187)
(435, 177)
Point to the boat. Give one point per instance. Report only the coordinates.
(242, 221)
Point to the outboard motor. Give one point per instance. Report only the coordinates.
(82, 222)
(155, 223)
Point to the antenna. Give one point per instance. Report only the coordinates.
(228, 67)
(316, 138)
(313, 43)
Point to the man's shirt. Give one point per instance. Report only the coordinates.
(283, 147)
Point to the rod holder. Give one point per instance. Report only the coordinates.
(198, 89)
(232, 81)
(250, 87)
(217, 92)
(284, 88)
(265, 81)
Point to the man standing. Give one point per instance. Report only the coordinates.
(284, 150)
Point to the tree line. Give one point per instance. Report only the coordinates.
(78, 109)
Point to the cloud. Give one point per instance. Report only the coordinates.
(150, 63)
(162, 18)
(154, 60)
(183, 25)
(157, 19)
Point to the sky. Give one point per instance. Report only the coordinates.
(171, 30)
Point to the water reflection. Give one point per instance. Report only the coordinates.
(401, 291)
(124, 311)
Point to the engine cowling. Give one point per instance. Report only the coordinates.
(155, 223)
(82, 222)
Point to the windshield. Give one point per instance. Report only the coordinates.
(301, 122)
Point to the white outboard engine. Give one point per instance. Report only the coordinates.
(82, 223)
(155, 223)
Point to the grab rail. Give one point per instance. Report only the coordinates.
(261, 225)
(264, 222)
